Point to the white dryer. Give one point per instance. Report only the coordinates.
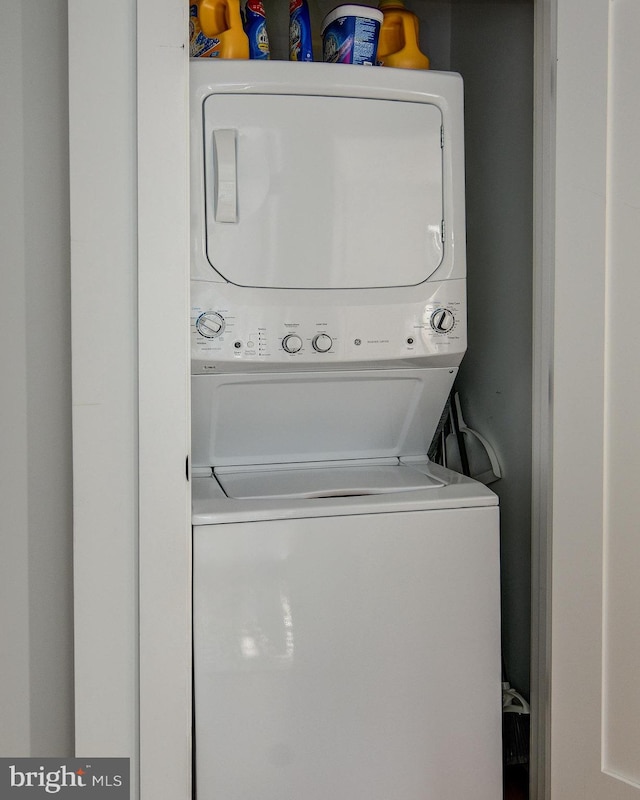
(345, 590)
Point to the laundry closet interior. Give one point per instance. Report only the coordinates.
(491, 44)
(270, 327)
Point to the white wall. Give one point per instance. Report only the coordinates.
(36, 691)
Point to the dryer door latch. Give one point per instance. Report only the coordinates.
(226, 187)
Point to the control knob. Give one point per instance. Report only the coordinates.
(322, 343)
(292, 343)
(442, 320)
(210, 324)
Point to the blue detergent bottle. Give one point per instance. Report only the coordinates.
(255, 26)
(300, 46)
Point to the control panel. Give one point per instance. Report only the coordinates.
(227, 336)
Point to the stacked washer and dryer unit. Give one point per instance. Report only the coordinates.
(345, 589)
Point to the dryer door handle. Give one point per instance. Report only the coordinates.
(225, 177)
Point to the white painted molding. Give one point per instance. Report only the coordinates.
(164, 495)
(594, 596)
(102, 134)
(621, 561)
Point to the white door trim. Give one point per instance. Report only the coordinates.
(163, 309)
(102, 130)
(591, 597)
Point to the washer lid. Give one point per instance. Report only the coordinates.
(244, 420)
(324, 482)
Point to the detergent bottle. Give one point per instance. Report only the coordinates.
(300, 42)
(255, 26)
(216, 30)
(398, 42)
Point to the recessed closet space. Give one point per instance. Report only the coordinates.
(491, 45)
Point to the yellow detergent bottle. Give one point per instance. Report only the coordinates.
(399, 37)
(216, 30)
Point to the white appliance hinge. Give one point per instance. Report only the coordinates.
(442, 230)
(202, 472)
(383, 461)
(442, 136)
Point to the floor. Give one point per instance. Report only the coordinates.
(516, 783)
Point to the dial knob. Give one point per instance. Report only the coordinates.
(322, 343)
(210, 325)
(442, 320)
(292, 343)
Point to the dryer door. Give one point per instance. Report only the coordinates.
(322, 192)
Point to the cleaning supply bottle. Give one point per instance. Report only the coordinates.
(255, 26)
(216, 30)
(398, 42)
(300, 45)
(200, 46)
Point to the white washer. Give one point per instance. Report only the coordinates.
(346, 646)
(346, 609)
